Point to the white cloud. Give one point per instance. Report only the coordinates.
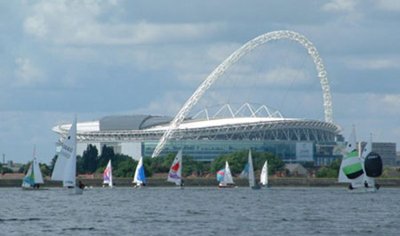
(77, 22)
(169, 104)
(392, 102)
(36, 26)
(286, 77)
(388, 5)
(340, 5)
(27, 73)
(372, 64)
(349, 11)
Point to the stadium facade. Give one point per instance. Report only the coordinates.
(205, 138)
(293, 140)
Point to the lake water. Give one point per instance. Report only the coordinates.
(200, 211)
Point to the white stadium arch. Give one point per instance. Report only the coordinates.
(233, 58)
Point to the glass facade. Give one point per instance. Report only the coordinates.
(288, 151)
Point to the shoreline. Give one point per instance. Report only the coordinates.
(208, 182)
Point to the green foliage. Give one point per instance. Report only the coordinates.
(53, 162)
(24, 168)
(45, 169)
(89, 160)
(5, 170)
(124, 168)
(107, 153)
(238, 160)
(331, 171)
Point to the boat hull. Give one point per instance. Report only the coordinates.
(227, 186)
(34, 189)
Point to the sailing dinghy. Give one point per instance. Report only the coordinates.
(65, 166)
(354, 167)
(175, 172)
(224, 177)
(264, 175)
(139, 178)
(33, 177)
(107, 175)
(248, 172)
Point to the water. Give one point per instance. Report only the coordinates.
(200, 211)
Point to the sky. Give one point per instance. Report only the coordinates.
(95, 58)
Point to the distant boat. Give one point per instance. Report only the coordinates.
(139, 179)
(352, 168)
(175, 172)
(264, 175)
(224, 177)
(33, 177)
(252, 179)
(107, 175)
(65, 166)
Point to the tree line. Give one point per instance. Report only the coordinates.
(91, 162)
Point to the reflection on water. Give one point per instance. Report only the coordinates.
(200, 211)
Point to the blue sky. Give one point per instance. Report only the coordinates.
(95, 58)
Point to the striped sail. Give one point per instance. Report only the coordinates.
(351, 168)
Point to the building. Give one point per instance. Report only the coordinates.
(205, 138)
(387, 151)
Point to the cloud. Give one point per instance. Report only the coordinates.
(388, 5)
(90, 22)
(340, 6)
(26, 73)
(372, 64)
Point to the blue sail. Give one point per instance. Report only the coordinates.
(141, 176)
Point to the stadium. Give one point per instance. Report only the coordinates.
(205, 137)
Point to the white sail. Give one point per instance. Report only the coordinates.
(37, 172)
(227, 175)
(107, 175)
(65, 166)
(252, 181)
(175, 172)
(139, 177)
(33, 175)
(264, 174)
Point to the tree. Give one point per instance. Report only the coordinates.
(124, 168)
(107, 153)
(238, 160)
(53, 163)
(331, 171)
(45, 169)
(89, 160)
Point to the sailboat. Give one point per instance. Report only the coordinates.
(139, 179)
(175, 172)
(33, 177)
(264, 175)
(252, 179)
(65, 166)
(352, 169)
(372, 166)
(107, 175)
(224, 177)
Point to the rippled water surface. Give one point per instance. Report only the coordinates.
(200, 211)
